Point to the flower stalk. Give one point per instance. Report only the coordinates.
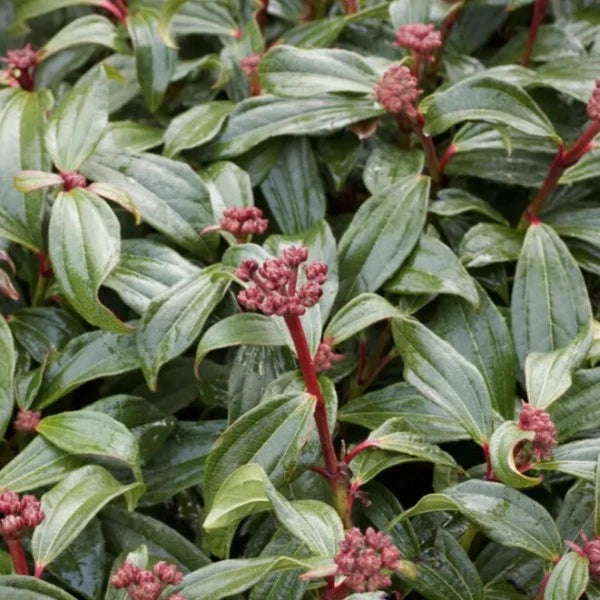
(538, 15)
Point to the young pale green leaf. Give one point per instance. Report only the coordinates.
(29, 181)
(84, 245)
(257, 119)
(169, 195)
(271, 435)
(503, 444)
(241, 330)
(482, 336)
(289, 71)
(146, 269)
(124, 531)
(393, 444)
(446, 572)
(358, 314)
(88, 356)
(229, 577)
(577, 458)
(453, 201)
(91, 29)
(482, 98)
(91, 432)
(71, 505)
(115, 194)
(549, 375)
(17, 587)
(293, 188)
(387, 165)
(196, 126)
(489, 243)
(433, 268)
(22, 118)
(7, 372)
(546, 317)
(175, 318)
(505, 515)
(569, 578)
(155, 62)
(403, 401)
(68, 142)
(578, 414)
(445, 377)
(381, 235)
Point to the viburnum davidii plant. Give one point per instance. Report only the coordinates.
(299, 299)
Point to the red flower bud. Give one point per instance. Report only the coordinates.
(398, 91)
(593, 105)
(423, 39)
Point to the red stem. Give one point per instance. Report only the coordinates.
(358, 449)
(17, 555)
(449, 22)
(538, 14)
(116, 8)
(450, 152)
(431, 158)
(335, 476)
(350, 7)
(542, 589)
(562, 161)
(489, 471)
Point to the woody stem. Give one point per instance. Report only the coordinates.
(17, 555)
(334, 474)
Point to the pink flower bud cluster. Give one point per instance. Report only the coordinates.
(275, 291)
(141, 584)
(243, 221)
(593, 105)
(591, 551)
(539, 421)
(363, 559)
(21, 66)
(27, 421)
(20, 514)
(250, 64)
(325, 357)
(422, 39)
(398, 91)
(72, 179)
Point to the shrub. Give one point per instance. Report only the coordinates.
(298, 299)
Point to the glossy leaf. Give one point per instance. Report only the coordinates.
(17, 587)
(7, 371)
(387, 165)
(487, 244)
(568, 579)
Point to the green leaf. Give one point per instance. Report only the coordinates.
(587, 167)
(7, 371)
(358, 314)
(433, 268)
(39, 464)
(91, 29)
(146, 269)
(125, 531)
(568, 579)
(481, 98)
(228, 186)
(88, 356)
(393, 444)
(546, 317)
(380, 237)
(229, 577)
(406, 12)
(289, 71)
(549, 375)
(257, 119)
(388, 165)
(453, 201)
(210, 18)
(241, 330)
(175, 318)
(403, 401)
(84, 245)
(575, 77)
(27, 9)
(272, 435)
(168, 194)
(30, 181)
(70, 506)
(578, 459)
(155, 62)
(17, 587)
(293, 188)
(68, 143)
(482, 336)
(578, 220)
(503, 444)
(505, 515)
(22, 118)
(91, 432)
(196, 126)
(445, 377)
(320, 33)
(129, 136)
(489, 243)
(446, 572)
